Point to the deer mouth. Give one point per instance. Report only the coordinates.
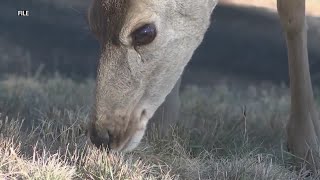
(119, 134)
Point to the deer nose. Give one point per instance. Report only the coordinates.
(100, 140)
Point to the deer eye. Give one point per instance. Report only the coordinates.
(144, 35)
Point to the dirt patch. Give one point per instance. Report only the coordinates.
(312, 6)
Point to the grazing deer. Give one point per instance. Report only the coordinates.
(145, 46)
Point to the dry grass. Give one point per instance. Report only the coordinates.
(312, 6)
(236, 134)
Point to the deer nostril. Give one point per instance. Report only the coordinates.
(101, 141)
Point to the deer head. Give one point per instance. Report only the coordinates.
(145, 45)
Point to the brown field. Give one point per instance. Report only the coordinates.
(224, 142)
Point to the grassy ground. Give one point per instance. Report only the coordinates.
(237, 133)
